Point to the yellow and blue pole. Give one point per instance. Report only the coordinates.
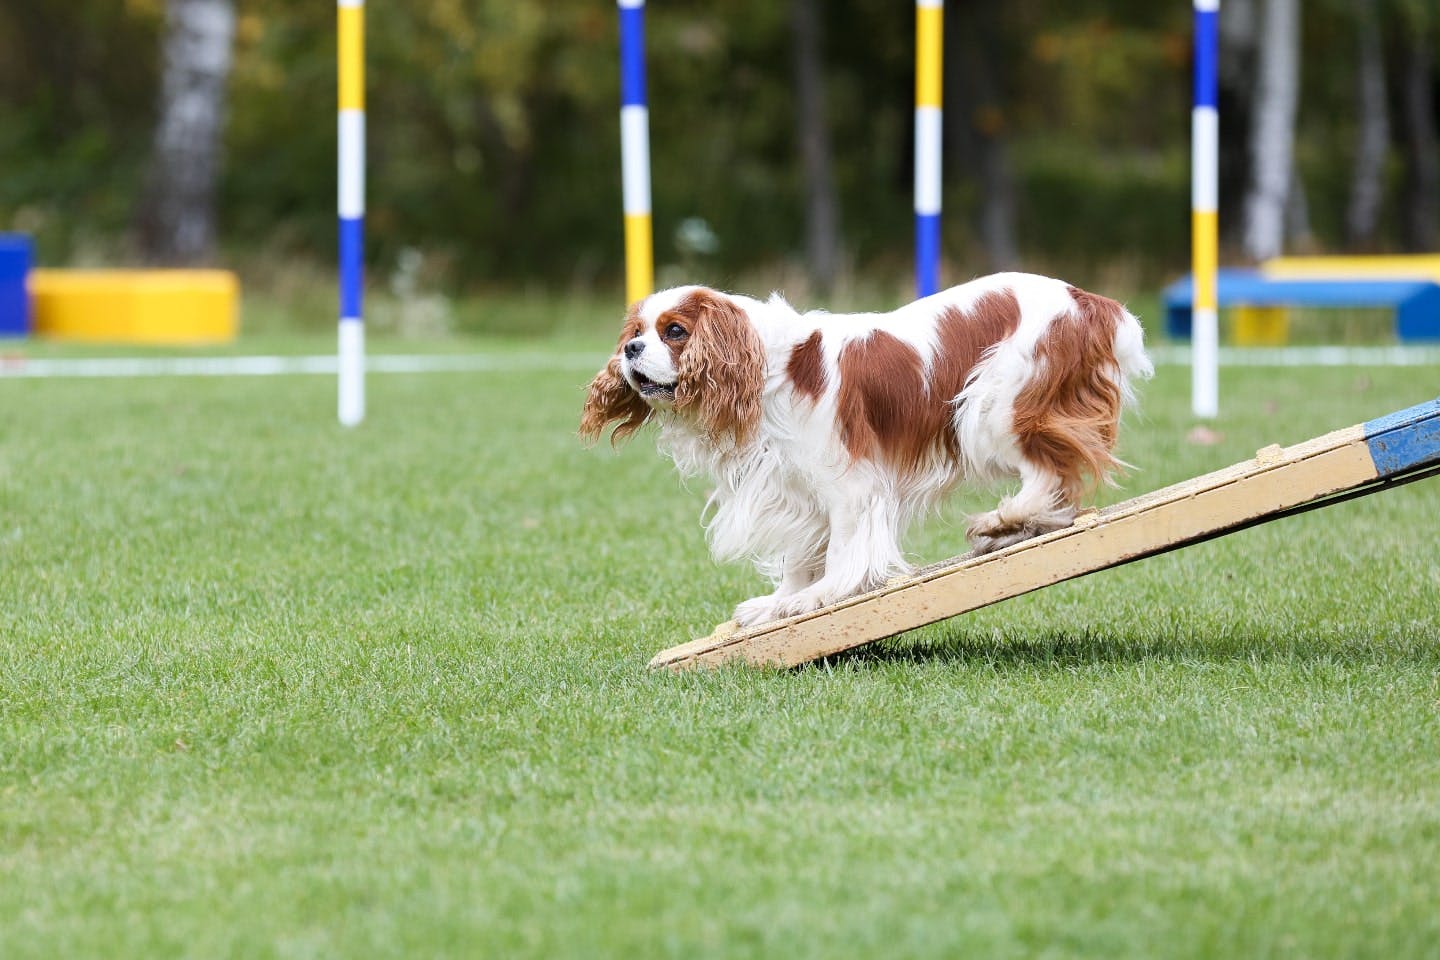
(635, 152)
(1204, 213)
(929, 31)
(351, 205)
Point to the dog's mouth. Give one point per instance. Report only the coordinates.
(651, 389)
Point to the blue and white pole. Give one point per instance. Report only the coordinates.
(351, 61)
(1204, 213)
(635, 153)
(929, 31)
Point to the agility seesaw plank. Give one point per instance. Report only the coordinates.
(1278, 481)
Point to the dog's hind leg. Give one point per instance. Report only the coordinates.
(1064, 421)
(1039, 506)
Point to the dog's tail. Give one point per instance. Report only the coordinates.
(1067, 415)
(1130, 356)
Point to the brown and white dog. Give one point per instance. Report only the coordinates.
(827, 434)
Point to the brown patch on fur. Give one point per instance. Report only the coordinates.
(806, 368)
(1068, 414)
(962, 339)
(610, 398)
(721, 367)
(885, 406)
(686, 314)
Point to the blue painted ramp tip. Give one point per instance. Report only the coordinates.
(1405, 439)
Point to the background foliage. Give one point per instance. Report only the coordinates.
(494, 143)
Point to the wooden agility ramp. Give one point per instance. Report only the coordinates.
(1278, 482)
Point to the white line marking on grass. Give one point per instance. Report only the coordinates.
(1168, 355)
(43, 367)
(21, 367)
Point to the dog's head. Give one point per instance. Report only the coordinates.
(690, 351)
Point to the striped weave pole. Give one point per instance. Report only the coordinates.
(351, 60)
(1204, 213)
(929, 30)
(635, 152)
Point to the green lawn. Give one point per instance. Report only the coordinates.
(271, 688)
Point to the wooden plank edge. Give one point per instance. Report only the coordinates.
(1266, 459)
(885, 613)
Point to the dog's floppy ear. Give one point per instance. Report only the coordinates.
(610, 398)
(722, 371)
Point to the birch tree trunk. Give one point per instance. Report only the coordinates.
(1272, 140)
(177, 214)
(1422, 146)
(1367, 188)
(821, 205)
(1297, 216)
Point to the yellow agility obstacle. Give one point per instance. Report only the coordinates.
(136, 306)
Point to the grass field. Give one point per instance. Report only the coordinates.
(270, 688)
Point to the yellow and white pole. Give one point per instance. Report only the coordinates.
(351, 162)
(635, 153)
(1204, 214)
(929, 33)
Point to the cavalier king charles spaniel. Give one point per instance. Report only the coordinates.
(827, 434)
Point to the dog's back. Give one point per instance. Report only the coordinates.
(1046, 403)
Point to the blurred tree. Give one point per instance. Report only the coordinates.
(1239, 47)
(1372, 140)
(1418, 21)
(177, 212)
(75, 103)
(1272, 138)
(821, 205)
(494, 144)
(980, 124)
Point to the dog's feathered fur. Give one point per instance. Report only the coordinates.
(827, 434)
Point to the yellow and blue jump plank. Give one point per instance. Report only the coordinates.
(1277, 482)
(1271, 324)
(1393, 266)
(1416, 300)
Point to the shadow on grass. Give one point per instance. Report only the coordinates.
(1065, 649)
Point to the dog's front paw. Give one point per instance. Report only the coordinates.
(811, 599)
(756, 610)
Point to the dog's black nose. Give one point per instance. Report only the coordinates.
(634, 348)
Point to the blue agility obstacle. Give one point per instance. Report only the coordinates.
(16, 255)
(1416, 302)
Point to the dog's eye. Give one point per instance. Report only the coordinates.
(675, 332)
